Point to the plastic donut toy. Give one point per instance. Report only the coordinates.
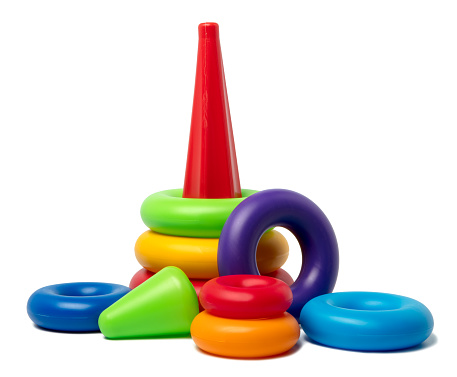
(269, 208)
(197, 257)
(366, 321)
(167, 212)
(245, 338)
(73, 307)
(245, 296)
(142, 275)
(282, 275)
(244, 317)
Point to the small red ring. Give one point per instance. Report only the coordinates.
(245, 296)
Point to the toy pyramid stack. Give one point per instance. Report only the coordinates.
(184, 225)
(208, 229)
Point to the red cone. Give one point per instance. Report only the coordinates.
(212, 170)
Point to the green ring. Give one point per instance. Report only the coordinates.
(167, 212)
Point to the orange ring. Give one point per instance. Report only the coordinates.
(197, 257)
(245, 337)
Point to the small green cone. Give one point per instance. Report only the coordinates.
(164, 305)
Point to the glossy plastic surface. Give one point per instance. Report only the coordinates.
(197, 257)
(244, 338)
(261, 211)
(142, 275)
(282, 275)
(163, 306)
(73, 307)
(211, 170)
(245, 297)
(167, 212)
(366, 321)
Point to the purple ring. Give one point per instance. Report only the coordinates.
(252, 217)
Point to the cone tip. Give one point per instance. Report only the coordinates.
(208, 30)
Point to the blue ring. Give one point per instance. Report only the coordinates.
(72, 306)
(366, 321)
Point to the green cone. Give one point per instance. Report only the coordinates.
(164, 305)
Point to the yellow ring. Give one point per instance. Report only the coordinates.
(245, 337)
(197, 257)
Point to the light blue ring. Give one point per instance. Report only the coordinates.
(366, 321)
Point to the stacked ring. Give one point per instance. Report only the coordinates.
(167, 212)
(142, 275)
(245, 317)
(197, 257)
(244, 337)
(246, 297)
(282, 275)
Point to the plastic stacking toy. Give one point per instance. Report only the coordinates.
(169, 213)
(197, 257)
(246, 297)
(366, 321)
(261, 211)
(244, 317)
(185, 224)
(163, 306)
(72, 307)
(282, 275)
(207, 245)
(142, 275)
(212, 170)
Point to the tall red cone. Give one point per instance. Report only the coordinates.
(212, 170)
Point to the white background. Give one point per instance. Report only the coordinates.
(351, 103)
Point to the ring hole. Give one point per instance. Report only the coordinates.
(293, 264)
(368, 304)
(250, 283)
(79, 291)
